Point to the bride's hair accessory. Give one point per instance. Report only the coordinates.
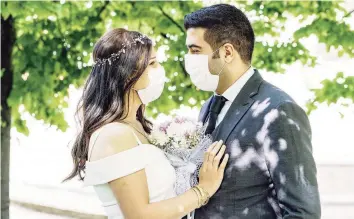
(125, 45)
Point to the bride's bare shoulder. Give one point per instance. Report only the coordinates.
(111, 139)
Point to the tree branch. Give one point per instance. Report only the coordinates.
(183, 69)
(103, 8)
(349, 13)
(171, 19)
(164, 35)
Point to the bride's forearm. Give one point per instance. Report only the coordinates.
(134, 200)
(173, 208)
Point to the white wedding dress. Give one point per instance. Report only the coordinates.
(160, 175)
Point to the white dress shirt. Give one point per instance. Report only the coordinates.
(231, 93)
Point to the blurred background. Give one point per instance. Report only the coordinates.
(304, 47)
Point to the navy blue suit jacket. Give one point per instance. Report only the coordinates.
(271, 172)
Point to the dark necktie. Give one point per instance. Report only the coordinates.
(216, 105)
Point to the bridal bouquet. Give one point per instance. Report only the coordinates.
(184, 143)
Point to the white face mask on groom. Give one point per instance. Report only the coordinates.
(197, 67)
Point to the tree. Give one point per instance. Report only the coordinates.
(46, 49)
(7, 40)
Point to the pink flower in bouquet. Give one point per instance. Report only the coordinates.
(180, 120)
(163, 126)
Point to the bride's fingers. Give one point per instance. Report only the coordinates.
(213, 153)
(207, 153)
(223, 164)
(205, 162)
(206, 156)
(218, 157)
(210, 148)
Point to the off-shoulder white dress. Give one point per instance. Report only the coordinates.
(160, 175)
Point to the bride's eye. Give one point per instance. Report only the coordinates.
(152, 63)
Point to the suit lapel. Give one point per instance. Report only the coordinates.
(238, 108)
(204, 112)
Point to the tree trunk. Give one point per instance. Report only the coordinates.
(7, 42)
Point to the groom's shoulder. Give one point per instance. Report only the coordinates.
(273, 94)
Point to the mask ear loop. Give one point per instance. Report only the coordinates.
(222, 68)
(137, 95)
(136, 91)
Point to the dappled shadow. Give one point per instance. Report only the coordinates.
(271, 165)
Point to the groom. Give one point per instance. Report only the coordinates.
(271, 172)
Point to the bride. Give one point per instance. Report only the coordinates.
(132, 178)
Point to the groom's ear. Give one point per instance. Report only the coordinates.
(228, 53)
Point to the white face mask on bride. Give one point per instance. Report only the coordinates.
(197, 67)
(153, 91)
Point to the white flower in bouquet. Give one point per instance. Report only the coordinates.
(159, 137)
(190, 127)
(175, 130)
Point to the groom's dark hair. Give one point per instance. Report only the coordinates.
(225, 24)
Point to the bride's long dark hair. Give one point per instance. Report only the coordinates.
(104, 96)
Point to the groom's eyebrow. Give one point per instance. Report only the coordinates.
(193, 46)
